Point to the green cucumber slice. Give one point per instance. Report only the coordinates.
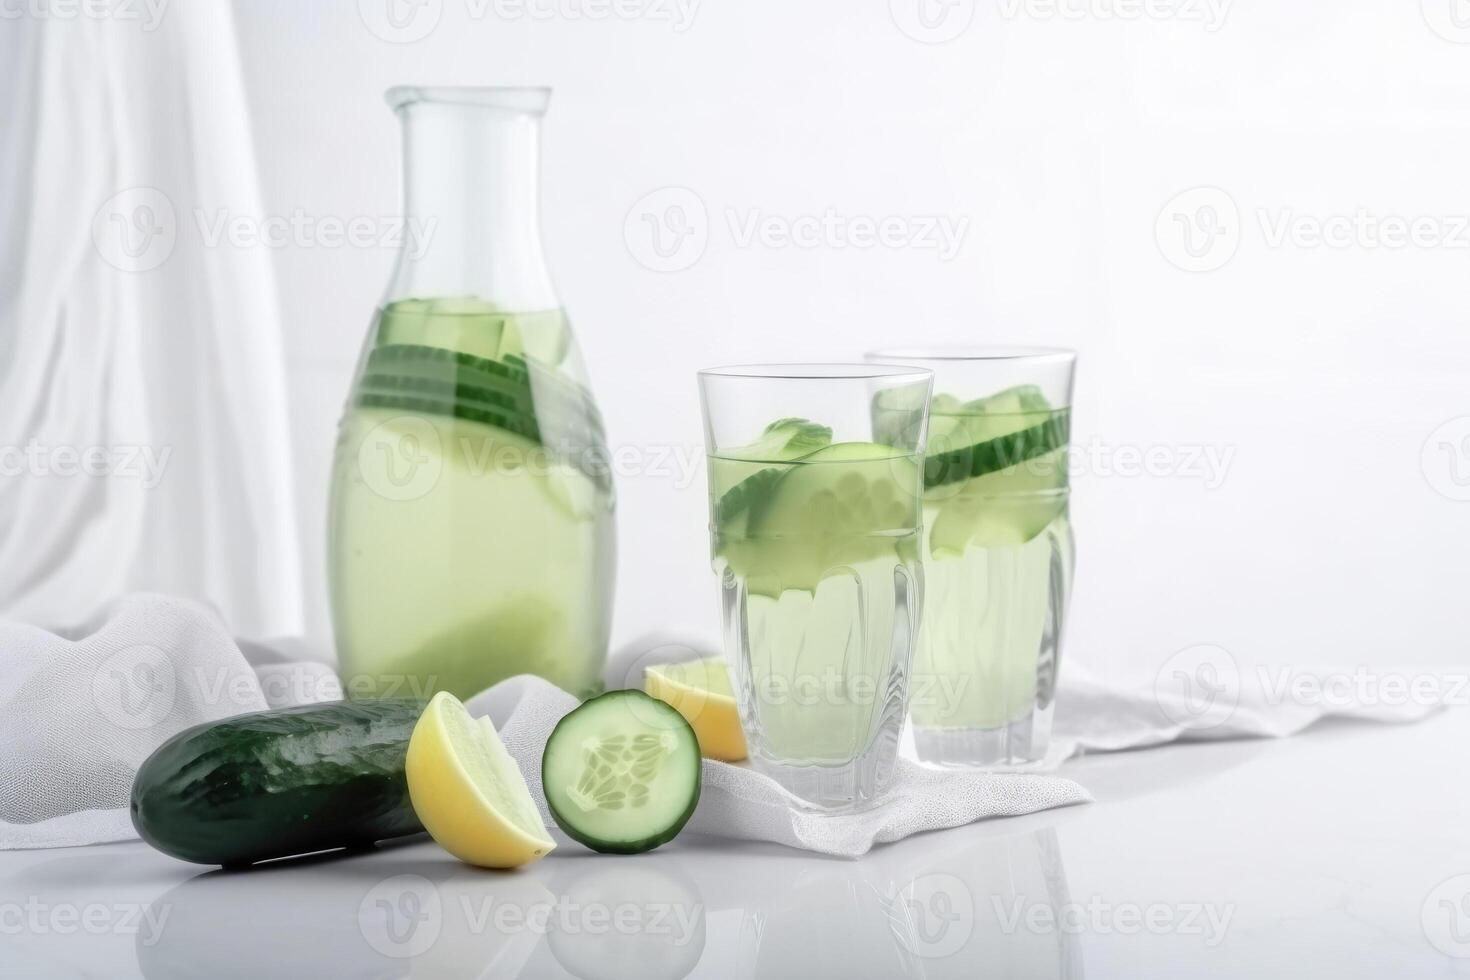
(622, 773)
(747, 474)
(446, 389)
(849, 503)
(1000, 509)
(569, 432)
(998, 453)
(986, 435)
(849, 488)
(515, 424)
(409, 358)
(516, 394)
(740, 499)
(784, 439)
(467, 323)
(996, 471)
(518, 382)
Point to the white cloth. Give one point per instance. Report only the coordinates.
(144, 439)
(1093, 715)
(738, 802)
(78, 714)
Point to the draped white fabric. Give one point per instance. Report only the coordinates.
(143, 425)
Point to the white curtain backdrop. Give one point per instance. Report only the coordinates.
(143, 424)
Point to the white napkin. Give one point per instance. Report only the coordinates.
(79, 714)
(738, 802)
(1206, 695)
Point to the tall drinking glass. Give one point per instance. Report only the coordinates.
(815, 476)
(997, 551)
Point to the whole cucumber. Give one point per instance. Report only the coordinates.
(277, 783)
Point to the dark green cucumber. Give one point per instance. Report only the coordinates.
(995, 454)
(278, 783)
(622, 773)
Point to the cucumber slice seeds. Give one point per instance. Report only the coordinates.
(622, 773)
(616, 770)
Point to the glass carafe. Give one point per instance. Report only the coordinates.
(471, 528)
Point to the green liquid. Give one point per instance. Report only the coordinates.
(997, 555)
(819, 578)
(470, 539)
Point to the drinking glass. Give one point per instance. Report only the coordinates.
(815, 476)
(997, 551)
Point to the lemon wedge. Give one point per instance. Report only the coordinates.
(700, 691)
(468, 792)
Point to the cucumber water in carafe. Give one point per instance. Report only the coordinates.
(471, 528)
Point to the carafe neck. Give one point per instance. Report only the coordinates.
(471, 197)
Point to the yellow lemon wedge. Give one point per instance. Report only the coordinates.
(700, 691)
(468, 792)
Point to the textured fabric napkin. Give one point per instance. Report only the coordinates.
(738, 802)
(79, 713)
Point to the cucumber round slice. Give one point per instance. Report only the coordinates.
(1006, 507)
(983, 445)
(466, 323)
(847, 489)
(446, 389)
(622, 773)
(516, 424)
(848, 503)
(744, 476)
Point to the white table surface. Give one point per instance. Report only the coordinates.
(1334, 854)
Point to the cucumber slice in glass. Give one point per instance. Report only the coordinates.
(1007, 507)
(848, 503)
(526, 385)
(745, 484)
(850, 488)
(498, 398)
(465, 323)
(515, 424)
(622, 773)
(990, 434)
